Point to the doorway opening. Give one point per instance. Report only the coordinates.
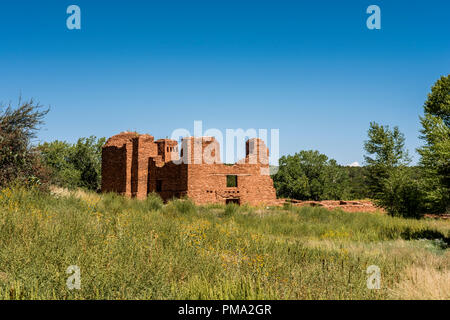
(158, 185)
(235, 201)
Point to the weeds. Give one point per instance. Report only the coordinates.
(131, 249)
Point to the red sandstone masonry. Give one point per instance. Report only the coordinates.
(135, 165)
(116, 164)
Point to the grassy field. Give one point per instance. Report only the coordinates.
(129, 249)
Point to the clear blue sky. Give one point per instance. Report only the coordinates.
(309, 68)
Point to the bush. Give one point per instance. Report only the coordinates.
(19, 160)
(402, 195)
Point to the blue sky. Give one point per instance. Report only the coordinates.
(311, 69)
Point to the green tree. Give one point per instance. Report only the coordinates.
(87, 159)
(74, 165)
(18, 159)
(310, 175)
(336, 182)
(57, 157)
(402, 194)
(385, 151)
(357, 182)
(435, 154)
(393, 184)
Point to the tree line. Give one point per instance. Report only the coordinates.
(386, 177)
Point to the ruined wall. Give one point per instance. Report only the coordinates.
(116, 163)
(168, 149)
(198, 150)
(125, 163)
(145, 148)
(114, 169)
(172, 179)
(208, 184)
(256, 151)
(135, 165)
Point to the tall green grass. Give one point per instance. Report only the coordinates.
(130, 249)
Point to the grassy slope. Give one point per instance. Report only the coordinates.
(128, 249)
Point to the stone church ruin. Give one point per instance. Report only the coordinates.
(135, 165)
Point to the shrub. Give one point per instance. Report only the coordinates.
(401, 194)
(19, 160)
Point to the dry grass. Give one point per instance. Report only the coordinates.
(423, 283)
(427, 278)
(78, 193)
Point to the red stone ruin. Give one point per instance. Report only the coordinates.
(135, 165)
